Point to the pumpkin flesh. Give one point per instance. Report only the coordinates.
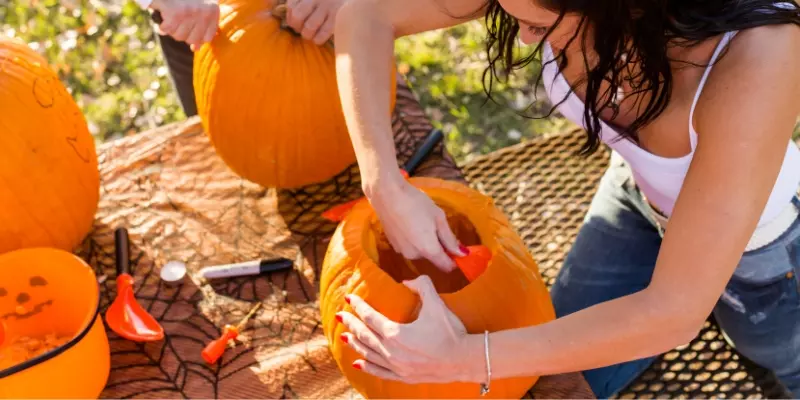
(509, 294)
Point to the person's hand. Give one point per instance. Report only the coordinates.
(432, 349)
(415, 226)
(313, 19)
(192, 21)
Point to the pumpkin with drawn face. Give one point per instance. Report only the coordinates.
(49, 301)
(49, 180)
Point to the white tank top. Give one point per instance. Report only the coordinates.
(660, 179)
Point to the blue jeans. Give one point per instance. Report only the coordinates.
(615, 253)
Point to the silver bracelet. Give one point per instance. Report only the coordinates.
(485, 386)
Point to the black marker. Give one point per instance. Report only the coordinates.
(255, 267)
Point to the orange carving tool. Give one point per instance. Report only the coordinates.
(214, 350)
(474, 264)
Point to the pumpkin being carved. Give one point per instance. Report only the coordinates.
(49, 180)
(508, 294)
(269, 100)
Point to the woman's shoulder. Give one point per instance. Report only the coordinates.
(759, 70)
(765, 53)
(766, 41)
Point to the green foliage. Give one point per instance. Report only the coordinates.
(107, 56)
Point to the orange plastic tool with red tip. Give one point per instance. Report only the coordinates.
(125, 316)
(214, 350)
(474, 264)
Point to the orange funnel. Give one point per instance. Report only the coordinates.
(125, 316)
(474, 263)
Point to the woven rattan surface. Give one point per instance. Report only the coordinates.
(179, 201)
(546, 190)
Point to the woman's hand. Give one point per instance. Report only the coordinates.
(313, 19)
(192, 21)
(432, 349)
(414, 225)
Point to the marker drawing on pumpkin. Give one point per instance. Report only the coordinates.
(43, 91)
(73, 142)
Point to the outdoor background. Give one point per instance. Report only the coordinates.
(107, 55)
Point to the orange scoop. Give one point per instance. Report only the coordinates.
(214, 350)
(125, 316)
(474, 263)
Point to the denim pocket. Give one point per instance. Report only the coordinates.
(762, 300)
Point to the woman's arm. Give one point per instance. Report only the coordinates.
(364, 38)
(745, 118)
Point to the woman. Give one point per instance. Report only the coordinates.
(697, 214)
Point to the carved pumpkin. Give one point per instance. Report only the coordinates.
(269, 100)
(508, 294)
(49, 181)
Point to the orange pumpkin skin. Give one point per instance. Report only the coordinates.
(269, 101)
(49, 179)
(509, 294)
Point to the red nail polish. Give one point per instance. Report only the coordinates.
(356, 366)
(347, 299)
(463, 249)
(343, 337)
(339, 317)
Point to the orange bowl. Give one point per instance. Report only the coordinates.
(48, 294)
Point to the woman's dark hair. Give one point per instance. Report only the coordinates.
(640, 30)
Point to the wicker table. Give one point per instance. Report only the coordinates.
(179, 201)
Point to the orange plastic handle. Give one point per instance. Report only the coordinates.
(474, 263)
(214, 350)
(338, 212)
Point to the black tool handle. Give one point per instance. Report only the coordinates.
(433, 139)
(122, 251)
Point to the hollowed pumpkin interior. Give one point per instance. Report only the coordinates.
(401, 269)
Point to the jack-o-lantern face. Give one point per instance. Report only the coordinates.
(26, 305)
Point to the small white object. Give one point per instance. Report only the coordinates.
(173, 271)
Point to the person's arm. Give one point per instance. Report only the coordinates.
(744, 121)
(364, 41)
(364, 36)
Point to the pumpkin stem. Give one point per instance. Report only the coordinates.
(279, 11)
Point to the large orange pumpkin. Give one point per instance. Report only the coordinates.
(509, 294)
(49, 181)
(269, 100)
